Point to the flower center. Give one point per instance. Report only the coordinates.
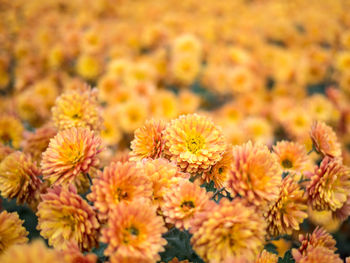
(194, 143)
(120, 194)
(286, 163)
(187, 205)
(131, 233)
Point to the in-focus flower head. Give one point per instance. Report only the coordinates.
(288, 211)
(11, 130)
(77, 108)
(320, 255)
(19, 178)
(228, 231)
(36, 251)
(292, 156)
(255, 174)
(194, 143)
(36, 143)
(64, 217)
(119, 183)
(266, 257)
(70, 153)
(164, 175)
(183, 202)
(148, 141)
(329, 185)
(318, 238)
(325, 140)
(220, 171)
(11, 231)
(133, 230)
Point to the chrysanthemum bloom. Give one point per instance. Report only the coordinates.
(134, 229)
(62, 207)
(292, 156)
(176, 260)
(11, 231)
(137, 258)
(36, 251)
(320, 255)
(194, 143)
(325, 140)
(255, 174)
(329, 185)
(148, 141)
(288, 211)
(183, 202)
(5, 151)
(318, 238)
(119, 182)
(19, 178)
(11, 131)
(70, 153)
(228, 231)
(163, 175)
(36, 143)
(266, 257)
(77, 109)
(73, 255)
(219, 172)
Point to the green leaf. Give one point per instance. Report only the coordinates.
(288, 258)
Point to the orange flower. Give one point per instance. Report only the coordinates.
(19, 178)
(318, 238)
(163, 175)
(266, 257)
(133, 230)
(148, 141)
(73, 255)
(194, 143)
(329, 185)
(5, 151)
(288, 211)
(292, 156)
(325, 140)
(77, 108)
(36, 251)
(343, 212)
(36, 143)
(114, 187)
(255, 174)
(183, 202)
(62, 207)
(228, 231)
(11, 231)
(219, 172)
(320, 255)
(70, 153)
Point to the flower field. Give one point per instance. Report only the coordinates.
(148, 131)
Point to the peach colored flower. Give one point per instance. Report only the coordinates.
(266, 257)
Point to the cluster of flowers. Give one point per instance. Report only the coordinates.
(203, 118)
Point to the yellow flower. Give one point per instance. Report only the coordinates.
(77, 109)
(36, 251)
(11, 130)
(114, 187)
(148, 141)
(292, 156)
(164, 105)
(183, 202)
(163, 175)
(266, 257)
(228, 231)
(258, 130)
(185, 68)
(64, 217)
(19, 178)
(325, 140)
(194, 143)
(329, 185)
(132, 232)
(70, 153)
(132, 115)
(88, 66)
(11, 231)
(187, 44)
(5, 151)
(288, 211)
(255, 174)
